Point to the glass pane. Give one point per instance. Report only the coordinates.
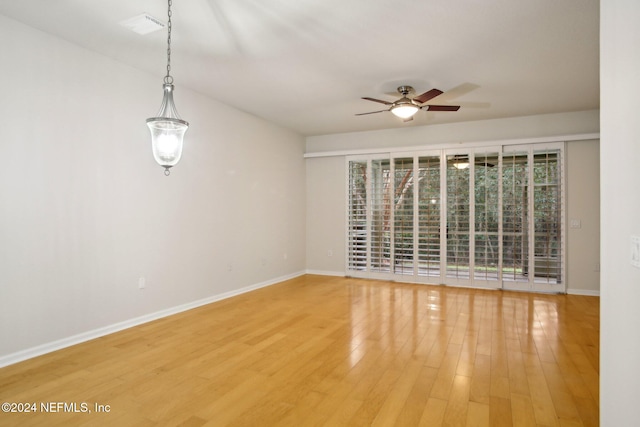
(547, 212)
(403, 216)
(380, 215)
(487, 183)
(515, 217)
(429, 216)
(458, 216)
(357, 223)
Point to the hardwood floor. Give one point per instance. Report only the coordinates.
(331, 351)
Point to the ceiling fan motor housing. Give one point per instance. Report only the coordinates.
(405, 90)
(405, 100)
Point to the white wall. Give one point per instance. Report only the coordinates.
(326, 208)
(583, 205)
(85, 211)
(326, 186)
(620, 211)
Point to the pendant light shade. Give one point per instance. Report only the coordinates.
(167, 132)
(167, 128)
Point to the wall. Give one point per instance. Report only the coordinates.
(85, 211)
(583, 204)
(326, 186)
(620, 212)
(326, 207)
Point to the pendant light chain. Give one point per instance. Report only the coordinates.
(168, 79)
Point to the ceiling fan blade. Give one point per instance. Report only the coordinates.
(378, 100)
(430, 94)
(225, 25)
(475, 104)
(459, 90)
(442, 107)
(372, 112)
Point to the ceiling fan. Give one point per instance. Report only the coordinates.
(406, 107)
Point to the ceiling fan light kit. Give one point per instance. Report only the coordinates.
(459, 161)
(167, 128)
(461, 165)
(405, 110)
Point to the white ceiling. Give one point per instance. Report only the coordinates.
(305, 64)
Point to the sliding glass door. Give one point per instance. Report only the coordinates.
(490, 217)
(515, 218)
(486, 214)
(458, 219)
(428, 217)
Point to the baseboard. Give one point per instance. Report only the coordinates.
(39, 350)
(326, 273)
(583, 292)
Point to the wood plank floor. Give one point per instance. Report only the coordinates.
(327, 351)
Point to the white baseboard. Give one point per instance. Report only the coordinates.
(583, 292)
(326, 273)
(49, 347)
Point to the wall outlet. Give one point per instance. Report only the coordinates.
(142, 283)
(575, 223)
(329, 252)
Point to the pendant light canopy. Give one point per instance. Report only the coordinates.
(167, 128)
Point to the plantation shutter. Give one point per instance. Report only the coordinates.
(482, 217)
(548, 209)
(402, 212)
(357, 217)
(429, 216)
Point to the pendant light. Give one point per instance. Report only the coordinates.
(167, 129)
